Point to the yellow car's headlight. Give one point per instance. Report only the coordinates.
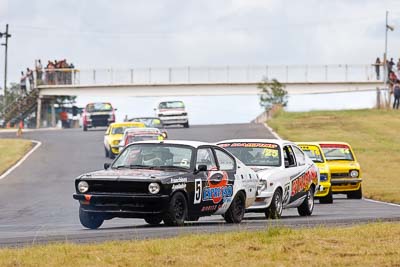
(354, 173)
(115, 142)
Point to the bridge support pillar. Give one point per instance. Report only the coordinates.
(53, 113)
(39, 112)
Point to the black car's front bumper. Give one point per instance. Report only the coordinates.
(123, 205)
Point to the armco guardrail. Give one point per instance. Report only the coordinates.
(211, 75)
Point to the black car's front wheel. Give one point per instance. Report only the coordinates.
(90, 220)
(235, 213)
(177, 210)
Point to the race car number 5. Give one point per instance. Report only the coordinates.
(197, 191)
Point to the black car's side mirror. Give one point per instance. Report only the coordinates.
(106, 166)
(201, 168)
(286, 163)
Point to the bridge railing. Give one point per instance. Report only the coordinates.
(211, 75)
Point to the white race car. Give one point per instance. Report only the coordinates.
(288, 178)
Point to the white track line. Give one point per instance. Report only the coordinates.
(382, 202)
(38, 144)
(272, 131)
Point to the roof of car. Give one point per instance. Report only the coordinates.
(127, 123)
(308, 143)
(175, 142)
(333, 143)
(274, 141)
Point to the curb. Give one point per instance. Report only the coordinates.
(38, 144)
(382, 202)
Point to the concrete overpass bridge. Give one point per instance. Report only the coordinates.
(199, 81)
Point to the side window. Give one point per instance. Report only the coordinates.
(226, 162)
(206, 157)
(301, 160)
(289, 157)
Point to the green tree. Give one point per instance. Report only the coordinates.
(272, 93)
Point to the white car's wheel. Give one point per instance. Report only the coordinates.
(274, 211)
(306, 208)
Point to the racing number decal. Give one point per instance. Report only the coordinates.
(197, 191)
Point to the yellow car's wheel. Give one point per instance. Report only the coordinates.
(328, 199)
(355, 194)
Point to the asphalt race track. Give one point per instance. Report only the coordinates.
(36, 202)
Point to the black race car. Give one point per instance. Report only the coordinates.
(170, 181)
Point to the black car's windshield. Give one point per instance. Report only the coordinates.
(255, 154)
(98, 107)
(313, 152)
(155, 156)
(171, 104)
(337, 152)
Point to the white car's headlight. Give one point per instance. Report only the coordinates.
(354, 173)
(262, 185)
(154, 188)
(83, 186)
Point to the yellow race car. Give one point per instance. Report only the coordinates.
(344, 167)
(314, 152)
(114, 134)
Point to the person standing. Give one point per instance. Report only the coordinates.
(29, 74)
(391, 64)
(377, 67)
(396, 91)
(22, 84)
(39, 71)
(64, 118)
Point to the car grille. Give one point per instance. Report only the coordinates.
(128, 187)
(340, 175)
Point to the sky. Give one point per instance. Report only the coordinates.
(179, 33)
(159, 33)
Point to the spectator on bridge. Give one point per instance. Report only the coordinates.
(29, 74)
(39, 71)
(391, 64)
(22, 84)
(377, 67)
(50, 77)
(396, 95)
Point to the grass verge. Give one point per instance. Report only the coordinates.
(373, 134)
(365, 245)
(12, 150)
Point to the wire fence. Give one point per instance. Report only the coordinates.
(211, 75)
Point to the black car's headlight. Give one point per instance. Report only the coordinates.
(323, 177)
(83, 186)
(154, 188)
(184, 114)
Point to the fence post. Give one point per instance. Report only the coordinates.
(169, 75)
(94, 76)
(149, 75)
(378, 98)
(287, 73)
(131, 75)
(306, 74)
(266, 72)
(326, 73)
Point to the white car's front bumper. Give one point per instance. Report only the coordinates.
(263, 200)
(174, 119)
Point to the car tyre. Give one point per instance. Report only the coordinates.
(111, 154)
(90, 220)
(177, 210)
(186, 125)
(236, 211)
(328, 199)
(274, 211)
(153, 220)
(106, 153)
(355, 194)
(306, 208)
